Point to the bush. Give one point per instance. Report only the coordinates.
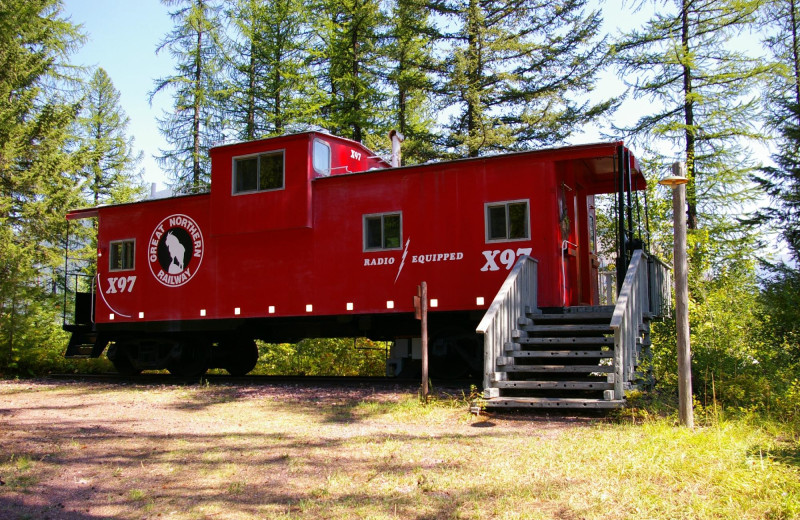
(323, 357)
(744, 349)
(33, 344)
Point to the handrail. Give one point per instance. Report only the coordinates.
(633, 303)
(516, 296)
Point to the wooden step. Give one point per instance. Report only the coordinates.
(569, 328)
(575, 318)
(583, 309)
(550, 402)
(595, 354)
(605, 369)
(554, 385)
(564, 341)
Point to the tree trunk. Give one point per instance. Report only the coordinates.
(795, 51)
(250, 128)
(196, 119)
(688, 107)
(472, 76)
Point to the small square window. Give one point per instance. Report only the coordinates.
(121, 255)
(258, 173)
(321, 158)
(507, 221)
(382, 231)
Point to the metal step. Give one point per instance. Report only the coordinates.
(81, 344)
(550, 402)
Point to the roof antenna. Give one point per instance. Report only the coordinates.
(397, 138)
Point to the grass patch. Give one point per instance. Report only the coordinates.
(137, 495)
(18, 473)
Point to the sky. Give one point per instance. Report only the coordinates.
(122, 37)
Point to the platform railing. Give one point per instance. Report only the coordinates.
(517, 296)
(78, 306)
(633, 303)
(607, 287)
(660, 287)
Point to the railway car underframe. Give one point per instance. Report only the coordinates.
(312, 236)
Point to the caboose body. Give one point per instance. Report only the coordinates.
(311, 235)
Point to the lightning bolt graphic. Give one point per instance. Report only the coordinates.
(402, 260)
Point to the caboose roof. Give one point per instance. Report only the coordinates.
(77, 214)
(598, 161)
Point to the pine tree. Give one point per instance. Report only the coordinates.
(349, 60)
(410, 79)
(701, 98)
(781, 287)
(517, 70)
(196, 122)
(271, 87)
(782, 181)
(37, 175)
(110, 172)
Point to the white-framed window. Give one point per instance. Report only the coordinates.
(508, 220)
(321, 157)
(383, 231)
(121, 255)
(262, 172)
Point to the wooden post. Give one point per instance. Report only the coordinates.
(421, 308)
(677, 182)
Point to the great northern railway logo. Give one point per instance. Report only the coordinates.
(175, 250)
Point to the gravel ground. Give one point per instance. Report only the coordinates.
(85, 450)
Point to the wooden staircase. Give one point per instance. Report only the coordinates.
(576, 357)
(559, 360)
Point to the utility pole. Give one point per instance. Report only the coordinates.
(677, 181)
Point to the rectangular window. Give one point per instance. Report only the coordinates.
(258, 172)
(383, 231)
(121, 255)
(507, 221)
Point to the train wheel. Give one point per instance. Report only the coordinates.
(120, 356)
(192, 361)
(242, 357)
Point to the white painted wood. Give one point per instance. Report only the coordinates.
(516, 296)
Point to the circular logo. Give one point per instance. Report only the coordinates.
(175, 250)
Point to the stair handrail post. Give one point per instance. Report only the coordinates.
(626, 322)
(518, 293)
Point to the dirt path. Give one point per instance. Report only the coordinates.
(76, 450)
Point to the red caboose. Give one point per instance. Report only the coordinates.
(311, 235)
